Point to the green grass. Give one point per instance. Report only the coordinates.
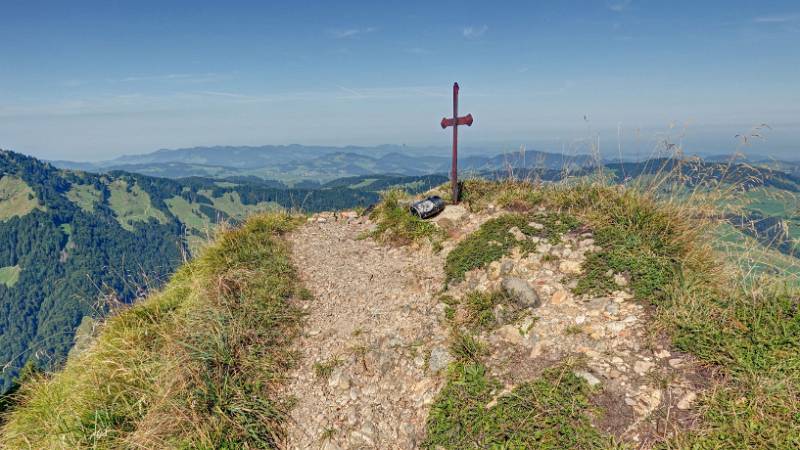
(747, 330)
(651, 267)
(16, 198)
(9, 275)
(231, 204)
(132, 204)
(493, 240)
(549, 412)
(197, 365)
(86, 196)
(396, 224)
(188, 213)
(323, 370)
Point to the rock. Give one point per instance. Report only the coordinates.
(536, 226)
(518, 235)
(676, 362)
(440, 358)
(580, 319)
(591, 379)
(521, 292)
(620, 280)
(642, 367)
(506, 267)
(615, 327)
(339, 380)
(570, 267)
(663, 354)
(612, 308)
(510, 333)
(651, 401)
(686, 401)
(445, 223)
(329, 445)
(366, 435)
(559, 297)
(454, 213)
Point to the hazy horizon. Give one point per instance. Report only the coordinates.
(96, 80)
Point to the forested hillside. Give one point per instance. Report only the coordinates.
(72, 243)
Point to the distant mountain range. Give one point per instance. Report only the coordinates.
(293, 164)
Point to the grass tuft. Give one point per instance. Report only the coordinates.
(197, 365)
(550, 412)
(396, 224)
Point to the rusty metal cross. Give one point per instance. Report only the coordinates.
(454, 122)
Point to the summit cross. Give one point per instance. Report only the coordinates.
(454, 122)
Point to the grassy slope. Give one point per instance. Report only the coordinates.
(196, 365)
(16, 198)
(749, 332)
(86, 196)
(9, 275)
(132, 204)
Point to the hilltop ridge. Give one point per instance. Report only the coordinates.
(582, 316)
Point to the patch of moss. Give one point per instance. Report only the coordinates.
(493, 240)
(650, 266)
(550, 412)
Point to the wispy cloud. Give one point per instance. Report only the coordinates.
(778, 18)
(352, 32)
(474, 32)
(619, 5)
(178, 77)
(205, 100)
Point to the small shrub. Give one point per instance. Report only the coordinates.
(324, 369)
(465, 347)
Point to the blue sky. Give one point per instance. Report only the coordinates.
(89, 80)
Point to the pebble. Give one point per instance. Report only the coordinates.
(686, 401)
(591, 379)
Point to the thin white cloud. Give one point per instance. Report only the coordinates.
(178, 77)
(474, 32)
(204, 100)
(778, 18)
(352, 32)
(619, 5)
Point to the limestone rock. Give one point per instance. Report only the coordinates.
(440, 358)
(686, 401)
(591, 379)
(521, 292)
(570, 267)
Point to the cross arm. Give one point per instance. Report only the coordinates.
(465, 120)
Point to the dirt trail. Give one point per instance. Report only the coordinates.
(372, 343)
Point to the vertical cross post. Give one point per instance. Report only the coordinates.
(454, 122)
(454, 166)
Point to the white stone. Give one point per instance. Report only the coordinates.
(570, 267)
(642, 367)
(591, 379)
(686, 401)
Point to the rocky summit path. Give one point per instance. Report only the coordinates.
(372, 344)
(372, 351)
